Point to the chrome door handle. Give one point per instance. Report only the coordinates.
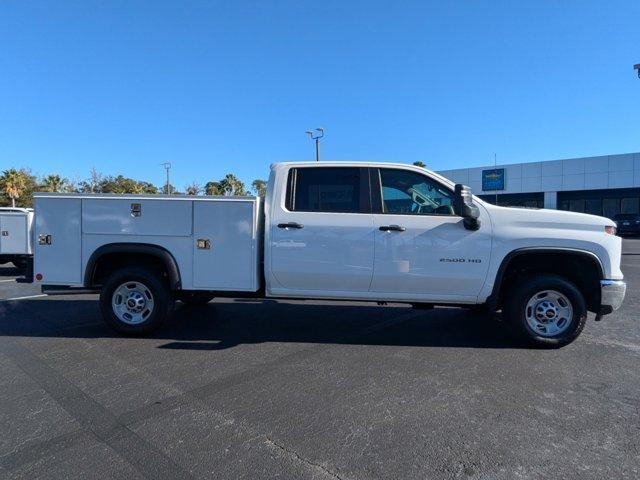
(290, 225)
(392, 228)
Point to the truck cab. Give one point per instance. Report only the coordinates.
(377, 232)
(333, 230)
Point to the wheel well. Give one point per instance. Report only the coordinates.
(112, 262)
(110, 258)
(582, 269)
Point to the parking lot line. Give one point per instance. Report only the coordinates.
(24, 298)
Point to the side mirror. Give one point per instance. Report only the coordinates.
(464, 207)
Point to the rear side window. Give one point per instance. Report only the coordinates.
(328, 189)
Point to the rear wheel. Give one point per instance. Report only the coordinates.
(546, 310)
(195, 297)
(135, 301)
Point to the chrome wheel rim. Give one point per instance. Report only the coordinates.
(132, 302)
(549, 313)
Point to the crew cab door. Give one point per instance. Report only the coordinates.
(422, 250)
(322, 233)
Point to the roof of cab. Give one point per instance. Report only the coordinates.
(362, 164)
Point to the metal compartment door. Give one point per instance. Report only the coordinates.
(225, 246)
(13, 234)
(57, 241)
(136, 216)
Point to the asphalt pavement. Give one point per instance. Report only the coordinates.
(244, 389)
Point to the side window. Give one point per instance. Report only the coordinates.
(409, 193)
(326, 189)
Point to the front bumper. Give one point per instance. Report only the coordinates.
(611, 295)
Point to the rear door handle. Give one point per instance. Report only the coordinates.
(290, 225)
(392, 228)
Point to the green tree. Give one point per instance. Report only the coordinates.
(54, 183)
(14, 184)
(148, 188)
(31, 187)
(122, 184)
(259, 187)
(213, 188)
(231, 185)
(420, 164)
(171, 190)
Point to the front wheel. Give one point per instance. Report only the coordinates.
(135, 301)
(546, 310)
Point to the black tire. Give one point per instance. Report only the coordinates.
(155, 287)
(515, 310)
(195, 297)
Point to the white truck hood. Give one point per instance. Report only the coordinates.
(546, 218)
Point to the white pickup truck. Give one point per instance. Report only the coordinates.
(16, 236)
(337, 230)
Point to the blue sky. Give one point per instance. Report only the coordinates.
(217, 87)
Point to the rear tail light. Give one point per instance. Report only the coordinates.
(610, 229)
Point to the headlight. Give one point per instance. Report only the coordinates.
(610, 229)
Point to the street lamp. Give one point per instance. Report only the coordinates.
(316, 135)
(167, 167)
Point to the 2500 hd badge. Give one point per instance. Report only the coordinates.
(461, 260)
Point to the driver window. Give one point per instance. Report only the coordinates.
(409, 193)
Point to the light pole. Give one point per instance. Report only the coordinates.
(316, 136)
(167, 167)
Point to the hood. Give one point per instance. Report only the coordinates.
(546, 218)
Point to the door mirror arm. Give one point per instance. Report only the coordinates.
(464, 207)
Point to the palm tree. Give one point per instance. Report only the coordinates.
(54, 183)
(13, 184)
(212, 188)
(259, 187)
(231, 185)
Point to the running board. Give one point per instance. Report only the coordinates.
(65, 290)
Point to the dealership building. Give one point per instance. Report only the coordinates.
(604, 185)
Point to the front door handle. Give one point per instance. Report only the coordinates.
(392, 228)
(290, 225)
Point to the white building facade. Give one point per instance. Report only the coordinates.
(605, 185)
